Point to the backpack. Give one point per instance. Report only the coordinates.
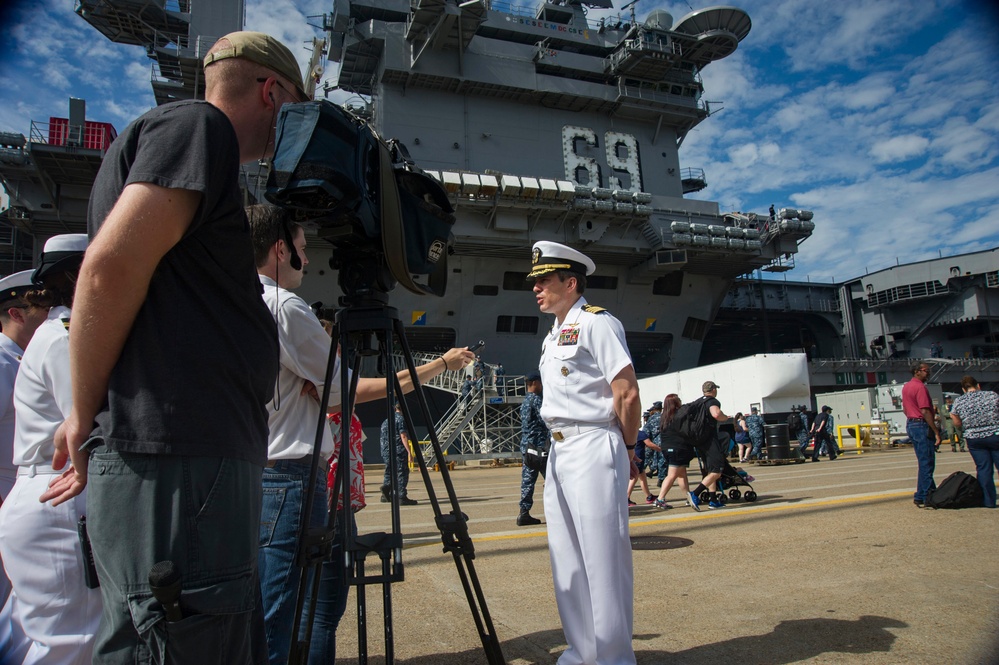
(693, 422)
(958, 490)
(794, 423)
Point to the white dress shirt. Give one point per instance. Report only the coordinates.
(43, 395)
(10, 360)
(305, 348)
(579, 359)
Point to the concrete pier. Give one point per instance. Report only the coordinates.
(832, 564)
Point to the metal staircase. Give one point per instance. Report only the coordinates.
(485, 426)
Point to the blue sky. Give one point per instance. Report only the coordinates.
(881, 117)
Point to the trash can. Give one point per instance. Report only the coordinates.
(778, 442)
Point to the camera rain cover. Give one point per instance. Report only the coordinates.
(365, 196)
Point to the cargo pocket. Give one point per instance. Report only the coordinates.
(215, 628)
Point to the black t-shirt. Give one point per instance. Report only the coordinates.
(200, 362)
(710, 402)
(820, 421)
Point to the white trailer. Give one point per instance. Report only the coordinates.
(772, 382)
(880, 404)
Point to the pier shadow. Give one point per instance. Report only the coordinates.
(789, 642)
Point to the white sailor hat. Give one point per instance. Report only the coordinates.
(14, 286)
(62, 253)
(548, 257)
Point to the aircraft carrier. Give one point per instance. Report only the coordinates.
(540, 122)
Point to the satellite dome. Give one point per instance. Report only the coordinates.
(659, 19)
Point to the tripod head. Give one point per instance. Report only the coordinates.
(364, 279)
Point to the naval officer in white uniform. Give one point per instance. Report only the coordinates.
(38, 541)
(592, 408)
(19, 320)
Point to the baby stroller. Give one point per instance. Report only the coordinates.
(729, 483)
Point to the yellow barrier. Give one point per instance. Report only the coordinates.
(412, 465)
(871, 435)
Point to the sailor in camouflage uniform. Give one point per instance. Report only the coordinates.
(803, 436)
(534, 440)
(657, 462)
(403, 457)
(592, 408)
(754, 423)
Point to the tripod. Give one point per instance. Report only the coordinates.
(361, 320)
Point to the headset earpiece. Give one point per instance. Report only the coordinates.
(289, 240)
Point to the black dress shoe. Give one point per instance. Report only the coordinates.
(406, 501)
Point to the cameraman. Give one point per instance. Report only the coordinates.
(174, 358)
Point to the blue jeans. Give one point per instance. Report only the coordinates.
(284, 495)
(985, 452)
(924, 447)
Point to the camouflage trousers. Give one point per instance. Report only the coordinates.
(803, 440)
(401, 468)
(528, 478)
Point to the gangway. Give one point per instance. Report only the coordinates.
(483, 425)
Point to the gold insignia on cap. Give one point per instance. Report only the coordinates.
(535, 256)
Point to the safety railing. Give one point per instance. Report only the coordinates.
(869, 436)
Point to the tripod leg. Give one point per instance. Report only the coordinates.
(387, 605)
(362, 617)
(454, 527)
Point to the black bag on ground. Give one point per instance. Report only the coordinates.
(958, 490)
(693, 422)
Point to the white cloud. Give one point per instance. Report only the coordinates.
(899, 148)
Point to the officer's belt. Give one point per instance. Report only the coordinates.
(562, 431)
(32, 470)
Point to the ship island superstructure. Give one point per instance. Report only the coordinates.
(545, 125)
(541, 123)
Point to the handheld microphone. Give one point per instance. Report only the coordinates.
(164, 583)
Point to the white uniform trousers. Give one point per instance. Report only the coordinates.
(41, 552)
(13, 643)
(590, 548)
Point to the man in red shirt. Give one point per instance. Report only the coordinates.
(920, 421)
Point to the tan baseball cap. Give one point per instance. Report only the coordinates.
(263, 50)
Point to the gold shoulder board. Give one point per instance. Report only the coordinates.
(593, 309)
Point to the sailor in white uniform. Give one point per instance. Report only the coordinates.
(592, 408)
(38, 541)
(19, 321)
